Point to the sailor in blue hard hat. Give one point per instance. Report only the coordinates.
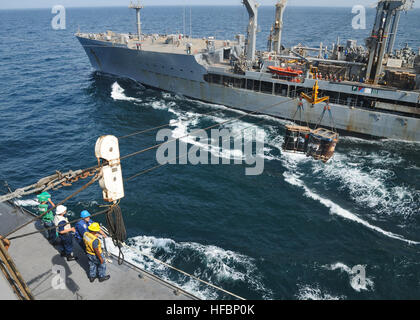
(82, 227)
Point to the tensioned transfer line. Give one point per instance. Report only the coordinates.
(205, 129)
(150, 257)
(94, 179)
(148, 149)
(129, 179)
(180, 157)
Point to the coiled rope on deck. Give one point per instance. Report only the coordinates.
(116, 229)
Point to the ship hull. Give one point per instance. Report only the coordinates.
(182, 74)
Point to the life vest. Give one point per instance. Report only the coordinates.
(58, 219)
(49, 217)
(88, 239)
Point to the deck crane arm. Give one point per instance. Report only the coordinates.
(252, 8)
(278, 25)
(382, 39)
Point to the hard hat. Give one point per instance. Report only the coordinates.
(84, 214)
(94, 227)
(43, 197)
(61, 210)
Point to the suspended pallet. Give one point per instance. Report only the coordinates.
(321, 144)
(296, 139)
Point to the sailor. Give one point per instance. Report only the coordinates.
(46, 204)
(65, 233)
(82, 227)
(97, 266)
(189, 48)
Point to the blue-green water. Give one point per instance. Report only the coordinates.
(295, 232)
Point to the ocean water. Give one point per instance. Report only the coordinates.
(295, 232)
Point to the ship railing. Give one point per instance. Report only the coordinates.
(289, 79)
(349, 103)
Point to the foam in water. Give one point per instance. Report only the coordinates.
(359, 174)
(315, 293)
(118, 94)
(185, 120)
(213, 264)
(369, 185)
(293, 179)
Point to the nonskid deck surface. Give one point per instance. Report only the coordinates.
(35, 258)
(157, 43)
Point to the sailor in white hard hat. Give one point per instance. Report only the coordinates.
(65, 232)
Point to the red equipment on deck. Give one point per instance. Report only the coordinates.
(288, 72)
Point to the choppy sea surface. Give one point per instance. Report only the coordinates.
(295, 232)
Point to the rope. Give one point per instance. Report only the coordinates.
(94, 179)
(116, 229)
(178, 157)
(55, 182)
(332, 124)
(51, 228)
(13, 275)
(205, 129)
(116, 226)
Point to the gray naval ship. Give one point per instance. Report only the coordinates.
(373, 90)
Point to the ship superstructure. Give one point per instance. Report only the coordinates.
(372, 90)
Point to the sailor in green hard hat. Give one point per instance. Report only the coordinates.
(46, 204)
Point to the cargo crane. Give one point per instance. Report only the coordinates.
(274, 41)
(382, 39)
(251, 47)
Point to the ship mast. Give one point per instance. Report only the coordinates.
(137, 6)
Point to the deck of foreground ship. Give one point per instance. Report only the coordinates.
(35, 257)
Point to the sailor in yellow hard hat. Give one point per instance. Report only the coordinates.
(97, 266)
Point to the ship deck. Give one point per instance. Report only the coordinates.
(35, 257)
(158, 43)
